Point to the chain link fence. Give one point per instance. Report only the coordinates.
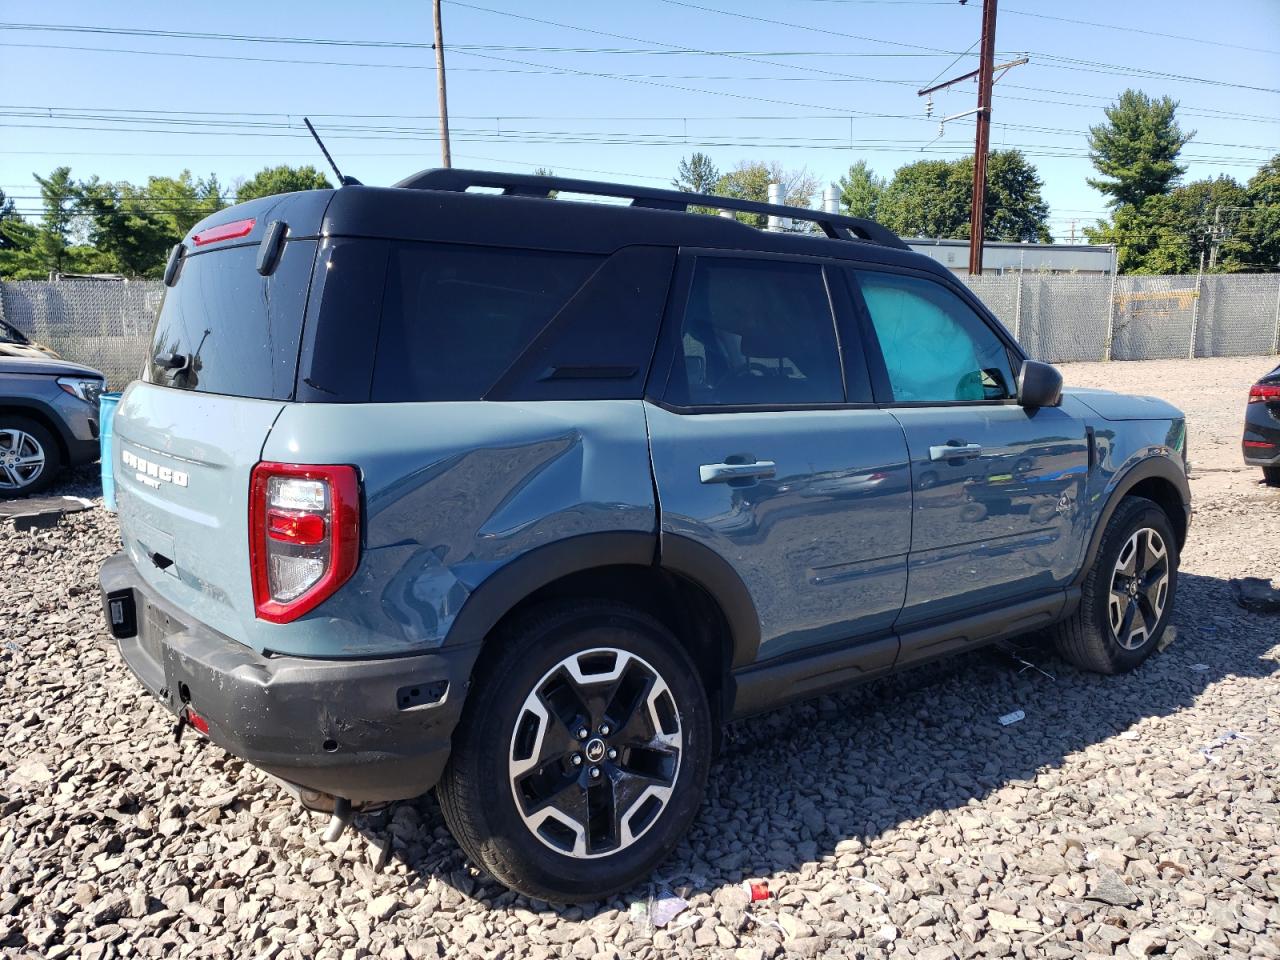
(1057, 318)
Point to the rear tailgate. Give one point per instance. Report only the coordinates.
(182, 465)
(222, 365)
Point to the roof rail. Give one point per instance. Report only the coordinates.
(834, 225)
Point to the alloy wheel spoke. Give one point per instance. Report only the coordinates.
(593, 796)
(1141, 540)
(1126, 624)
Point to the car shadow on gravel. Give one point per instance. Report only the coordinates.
(792, 786)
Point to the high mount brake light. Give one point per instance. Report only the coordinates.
(223, 231)
(1263, 392)
(304, 536)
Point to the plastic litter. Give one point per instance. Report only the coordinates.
(874, 888)
(666, 907)
(764, 922)
(1028, 665)
(1214, 744)
(1199, 667)
(1014, 717)
(756, 890)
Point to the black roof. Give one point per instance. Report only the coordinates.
(483, 207)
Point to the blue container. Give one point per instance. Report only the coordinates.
(106, 417)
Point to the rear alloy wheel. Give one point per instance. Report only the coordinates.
(595, 753)
(1127, 596)
(582, 754)
(29, 457)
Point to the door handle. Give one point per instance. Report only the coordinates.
(724, 472)
(955, 451)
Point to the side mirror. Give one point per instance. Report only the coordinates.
(1039, 385)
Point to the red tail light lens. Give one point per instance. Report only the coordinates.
(304, 535)
(1263, 392)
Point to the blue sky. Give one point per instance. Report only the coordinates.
(826, 83)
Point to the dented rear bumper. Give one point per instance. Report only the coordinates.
(371, 731)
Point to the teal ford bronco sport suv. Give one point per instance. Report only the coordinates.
(458, 484)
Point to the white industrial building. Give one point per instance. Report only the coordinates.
(999, 256)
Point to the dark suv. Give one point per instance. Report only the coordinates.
(465, 484)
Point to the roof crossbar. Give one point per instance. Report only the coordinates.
(834, 225)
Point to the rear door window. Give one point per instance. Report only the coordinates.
(455, 317)
(756, 332)
(224, 328)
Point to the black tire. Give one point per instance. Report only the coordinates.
(16, 481)
(1088, 638)
(498, 734)
(1271, 476)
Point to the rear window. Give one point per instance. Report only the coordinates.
(224, 328)
(455, 317)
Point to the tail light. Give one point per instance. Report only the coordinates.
(1264, 392)
(304, 535)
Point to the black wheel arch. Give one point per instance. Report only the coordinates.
(683, 583)
(1158, 479)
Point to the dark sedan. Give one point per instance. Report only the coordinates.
(1262, 427)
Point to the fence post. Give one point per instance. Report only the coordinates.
(1017, 309)
(1195, 309)
(1275, 336)
(1111, 309)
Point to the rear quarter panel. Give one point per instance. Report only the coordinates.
(452, 492)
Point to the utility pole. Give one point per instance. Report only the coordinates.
(983, 139)
(445, 154)
(985, 73)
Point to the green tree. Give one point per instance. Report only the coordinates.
(281, 179)
(132, 228)
(933, 198)
(1136, 149)
(1254, 242)
(1170, 233)
(926, 199)
(53, 236)
(8, 214)
(17, 245)
(750, 181)
(860, 191)
(697, 174)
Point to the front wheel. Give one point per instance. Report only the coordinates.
(29, 456)
(582, 754)
(1128, 595)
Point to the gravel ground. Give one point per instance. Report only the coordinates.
(1125, 816)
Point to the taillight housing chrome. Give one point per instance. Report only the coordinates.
(304, 535)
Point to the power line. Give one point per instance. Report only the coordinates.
(1087, 65)
(226, 119)
(1149, 33)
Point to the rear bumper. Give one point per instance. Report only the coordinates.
(371, 731)
(1261, 442)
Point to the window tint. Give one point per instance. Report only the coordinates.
(756, 332)
(936, 348)
(455, 317)
(225, 328)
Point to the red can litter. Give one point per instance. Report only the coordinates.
(756, 890)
